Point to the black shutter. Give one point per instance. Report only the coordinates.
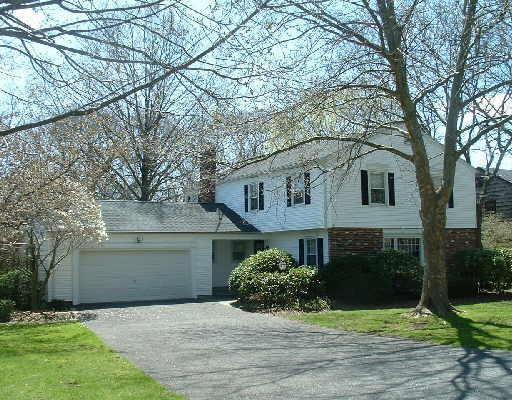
(301, 251)
(320, 251)
(450, 202)
(364, 187)
(246, 197)
(261, 196)
(391, 188)
(307, 188)
(288, 191)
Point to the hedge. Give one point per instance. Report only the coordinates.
(373, 278)
(478, 270)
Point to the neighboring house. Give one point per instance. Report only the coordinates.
(498, 191)
(304, 201)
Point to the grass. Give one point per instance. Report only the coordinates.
(482, 325)
(67, 361)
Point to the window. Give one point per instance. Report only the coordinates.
(310, 251)
(298, 190)
(377, 188)
(253, 194)
(238, 253)
(490, 205)
(411, 246)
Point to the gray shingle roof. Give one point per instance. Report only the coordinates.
(143, 216)
(505, 174)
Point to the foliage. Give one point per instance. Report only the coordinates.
(15, 285)
(477, 270)
(270, 279)
(406, 272)
(271, 260)
(365, 278)
(482, 325)
(64, 361)
(496, 231)
(6, 309)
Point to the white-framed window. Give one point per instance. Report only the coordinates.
(377, 187)
(411, 246)
(298, 189)
(253, 196)
(310, 251)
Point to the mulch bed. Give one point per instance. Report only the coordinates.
(43, 317)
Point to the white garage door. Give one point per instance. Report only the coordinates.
(110, 276)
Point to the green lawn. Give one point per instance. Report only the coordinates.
(483, 325)
(67, 361)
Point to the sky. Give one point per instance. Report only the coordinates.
(36, 19)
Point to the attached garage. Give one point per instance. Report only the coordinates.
(155, 251)
(132, 275)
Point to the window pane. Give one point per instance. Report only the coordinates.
(311, 251)
(389, 244)
(253, 190)
(298, 189)
(409, 246)
(378, 196)
(377, 180)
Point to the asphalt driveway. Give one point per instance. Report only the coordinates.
(209, 350)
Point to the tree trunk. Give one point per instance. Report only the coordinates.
(34, 282)
(434, 294)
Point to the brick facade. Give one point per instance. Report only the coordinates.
(460, 239)
(346, 241)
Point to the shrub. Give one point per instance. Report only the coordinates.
(271, 260)
(316, 305)
(15, 286)
(405, 271)
(364, 278)
(270, 279)
(357, 278)
(6, 309)
(476, 270)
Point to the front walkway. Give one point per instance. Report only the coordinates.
(209, 350)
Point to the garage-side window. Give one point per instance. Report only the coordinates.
(238, 253)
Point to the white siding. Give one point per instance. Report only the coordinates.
(289, 241)
(277, 216)
(344, 199)
(336, 196)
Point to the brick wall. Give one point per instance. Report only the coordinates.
(460, 239)
(346, 241)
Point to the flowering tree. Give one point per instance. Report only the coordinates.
(45, 210)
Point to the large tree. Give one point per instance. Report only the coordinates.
(434, 64)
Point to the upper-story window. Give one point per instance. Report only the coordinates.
(377, 188)
(254, 196)
(253, 193)
(298, 189)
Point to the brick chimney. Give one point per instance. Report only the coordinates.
(207, 174)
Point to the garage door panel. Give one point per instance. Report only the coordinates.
(109, 276)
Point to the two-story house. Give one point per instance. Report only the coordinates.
(317, 201)
(494, 192)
